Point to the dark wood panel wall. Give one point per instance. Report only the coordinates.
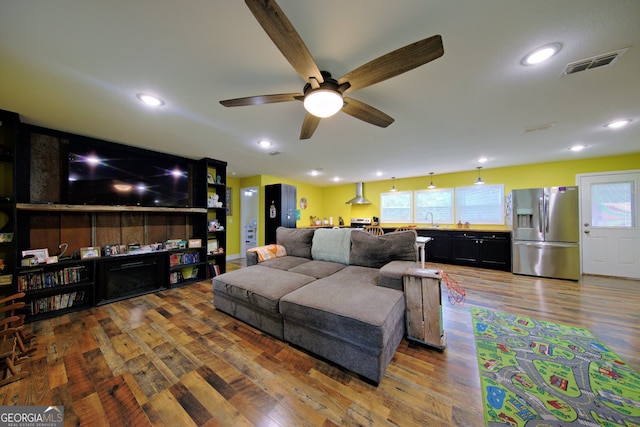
(50, 229)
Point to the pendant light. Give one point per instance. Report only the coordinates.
(431, 185)
(479, 181)
(393, 187)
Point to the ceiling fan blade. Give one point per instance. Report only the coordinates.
(286, 38)
(261, 99)
(309, 126)
(366, 112)
(394, 63)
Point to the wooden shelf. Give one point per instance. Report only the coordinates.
(54, 207)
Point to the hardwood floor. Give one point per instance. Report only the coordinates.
(171, 359)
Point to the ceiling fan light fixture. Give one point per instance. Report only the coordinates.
(323, 102)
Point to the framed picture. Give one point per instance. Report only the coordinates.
(210, 179)
(112, 249)
(229, 201)
(40, 254)
(90, 252)
(195, 243)
(212, 246)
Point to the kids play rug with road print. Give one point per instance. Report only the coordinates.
(537, 373)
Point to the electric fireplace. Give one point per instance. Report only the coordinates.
(126, 276)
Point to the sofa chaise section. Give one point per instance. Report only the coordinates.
(348, 319)
(253, 295)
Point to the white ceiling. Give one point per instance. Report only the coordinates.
(77, 65)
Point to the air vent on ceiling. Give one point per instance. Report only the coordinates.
(603, 60)
(537, 128)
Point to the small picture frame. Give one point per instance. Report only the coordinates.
(52, 259)
(210, 179)
(112, 249)
(195, 243)
(212, 246)
(90, 252)
(40, 254)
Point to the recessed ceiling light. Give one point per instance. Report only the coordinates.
(618, 124)
(336, 178)
(264, 143)
(379, 173)
(578, 147)
(150, 100)
(541, 54)
(483, 159)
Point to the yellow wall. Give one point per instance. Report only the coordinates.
(325, 202)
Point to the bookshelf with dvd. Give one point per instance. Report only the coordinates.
(214, 195)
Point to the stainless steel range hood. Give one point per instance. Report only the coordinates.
(359, 199)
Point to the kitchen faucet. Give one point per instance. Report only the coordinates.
(429, 214)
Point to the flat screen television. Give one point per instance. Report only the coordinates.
(114, 174)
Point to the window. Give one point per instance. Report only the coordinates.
(482, 204)
(437, 202)
(395, 207)
(612, 204)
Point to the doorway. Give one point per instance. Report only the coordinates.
(610, 221)
(248, 219)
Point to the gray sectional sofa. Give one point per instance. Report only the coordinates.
(336, 293)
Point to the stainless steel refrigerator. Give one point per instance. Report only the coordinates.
(546, 232)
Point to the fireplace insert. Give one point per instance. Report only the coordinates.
(130, 275)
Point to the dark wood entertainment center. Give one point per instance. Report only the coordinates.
(41, 217)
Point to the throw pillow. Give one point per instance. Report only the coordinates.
(368, 250)
(296, 241)
(331, 244)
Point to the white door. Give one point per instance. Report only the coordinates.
(610, 223)
(248, 219)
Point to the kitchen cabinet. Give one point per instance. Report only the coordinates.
(439, 248)
(280, 209)
(482, 249)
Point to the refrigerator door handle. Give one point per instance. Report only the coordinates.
(540, 213)
(546, 213)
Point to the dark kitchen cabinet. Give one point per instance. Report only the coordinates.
(482, 249)
(439, 249)
(280, 209)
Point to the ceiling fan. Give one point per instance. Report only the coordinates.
(322, 90)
